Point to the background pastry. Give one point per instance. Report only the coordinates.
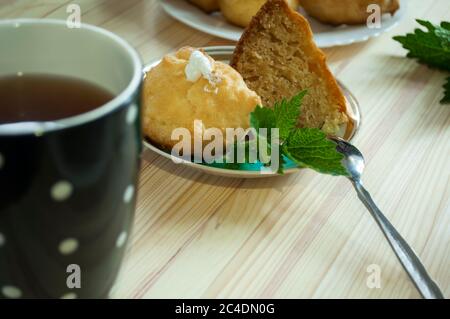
(206, 5)
(240, 12)
(346, 11)
(278, 59)
(188, 86)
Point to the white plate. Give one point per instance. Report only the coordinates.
(325, 35)
(223, 54)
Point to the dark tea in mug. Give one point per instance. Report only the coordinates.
(47, 97)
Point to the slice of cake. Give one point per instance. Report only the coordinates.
(278, 58)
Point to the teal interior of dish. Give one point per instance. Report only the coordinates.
(287, 164)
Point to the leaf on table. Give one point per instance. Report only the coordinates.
(431, 47)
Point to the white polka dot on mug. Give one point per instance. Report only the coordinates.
(121, 239)
(61, 191)
(70, 295)
(68, 246)
(128, 195)
(11, 292)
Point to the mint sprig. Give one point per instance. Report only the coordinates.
(431, 47)
(308, 147)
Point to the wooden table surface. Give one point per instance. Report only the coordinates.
(298, 236)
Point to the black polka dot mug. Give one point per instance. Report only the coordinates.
(68, 188)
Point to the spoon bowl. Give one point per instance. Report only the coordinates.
(353, 160)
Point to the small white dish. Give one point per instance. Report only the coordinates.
(324, 35)
(223, 54)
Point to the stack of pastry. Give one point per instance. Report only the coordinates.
(336, 12)
(275, 59)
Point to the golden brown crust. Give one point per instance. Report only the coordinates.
(319, 67)
(346, 11)
(171, 101)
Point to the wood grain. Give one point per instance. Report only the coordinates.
(299, 236)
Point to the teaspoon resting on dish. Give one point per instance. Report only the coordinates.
(354, 163)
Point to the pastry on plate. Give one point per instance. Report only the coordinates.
(206, 5)
(346, 11)
(278, 58)
(188, 87)
(241, 12)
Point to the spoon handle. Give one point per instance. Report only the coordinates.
(411, 263)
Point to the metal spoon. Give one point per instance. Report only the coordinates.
(354, 163)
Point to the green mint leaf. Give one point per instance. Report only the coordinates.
(262, 117)
(287, 113)
(311, 148)
(431, 47)
(446, 98)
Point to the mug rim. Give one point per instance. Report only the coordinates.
(43, 127)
